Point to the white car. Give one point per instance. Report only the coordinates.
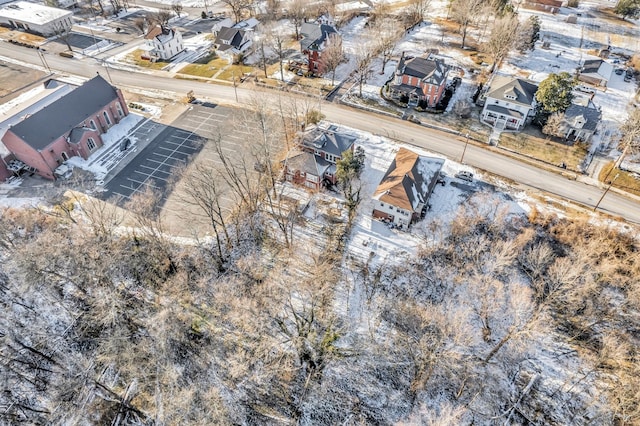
(465, 176)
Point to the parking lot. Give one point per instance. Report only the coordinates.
(189, 141)
(14, 77)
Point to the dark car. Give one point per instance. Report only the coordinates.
(619, 71)
(125, 144)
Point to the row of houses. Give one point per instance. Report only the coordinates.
(510, 103)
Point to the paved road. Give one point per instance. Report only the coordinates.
(442, 143)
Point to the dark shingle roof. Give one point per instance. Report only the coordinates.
(61, 116)
(591, 116)
(523, 91)
(329, 140)
(76, 134)
(308, 163)
(229, 37)
(314, 35)
(428, 70)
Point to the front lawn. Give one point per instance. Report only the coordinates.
(544, 149)
(205, 67)
(626, 181)
(135, 57)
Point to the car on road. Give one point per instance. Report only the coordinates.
(467, 176)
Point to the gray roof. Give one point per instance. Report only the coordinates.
(307, 162)
(523, 90)
(229, 37)
(61, 116)
(328, 140)
(592, 65)
(505, 111)
(314, 35)
(590, 114)
(427, 70)
(76, 134)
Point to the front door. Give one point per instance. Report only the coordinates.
(64, 155)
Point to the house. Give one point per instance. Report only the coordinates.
(419, 80)
(313, 164)
(596, 72)
(36, 18)
(219, 23)
(509, 103)
(163, 43)
(69, 126)
(403, 193)
(316, 36)
(580, 122)
(236, 39)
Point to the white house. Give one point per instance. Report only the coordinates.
(236, 39)
(403, 192)
(163, 43)
(509, 104)
(36, 18)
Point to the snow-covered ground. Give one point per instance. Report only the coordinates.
(111, 138)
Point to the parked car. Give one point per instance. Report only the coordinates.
(619, 71)
(124, 144)
(465, 176)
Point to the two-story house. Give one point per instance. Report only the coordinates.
(403, 193)
(163, 43)
(70, 126)
(237, 38)
(510, 103)
(316, 36)
(313, 164)
(596, 72)
(580, 122)
(419, 80)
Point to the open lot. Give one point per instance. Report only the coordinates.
(185, 144)
(15, 77)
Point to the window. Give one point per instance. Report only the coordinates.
(93, 125)
(91, 144)
(106, 118)
(119, 108)
(382, 204)
(64, 155)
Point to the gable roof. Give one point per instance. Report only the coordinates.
(328, 139)
(229, 38)
(307, 162)
(314, 35)
(160, 33)
(61, 116)
(597, 67)
(524, 91)
(589, 114)
(407, 182)
(427, 70)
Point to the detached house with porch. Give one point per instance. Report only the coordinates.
(163, 43)
(313, 164)
(70, 126)
(419, 80)
(402, 195)
(510, 103)
(237, 38)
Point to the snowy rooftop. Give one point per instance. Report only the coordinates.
(31, 12)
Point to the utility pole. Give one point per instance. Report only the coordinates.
(235, 89)
(43, 59)
(465, 148)
(106, 66)
(605, 191)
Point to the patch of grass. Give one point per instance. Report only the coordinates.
(234, 70)
(135, 57)
(543, 149)
(205, 67)
(625, 181)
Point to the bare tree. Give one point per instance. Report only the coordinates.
(140, 24)
(387, 36)
(418, 10)
(465, 12)
(297, 13)
(176, 6)
(332, 56)
(278, 43)
(63, 33)
(238, 7)
(555, 125)
(364, 57)
(161, 17)
(504, 34)
(462, 108)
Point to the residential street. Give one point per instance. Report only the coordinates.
(439, 142)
